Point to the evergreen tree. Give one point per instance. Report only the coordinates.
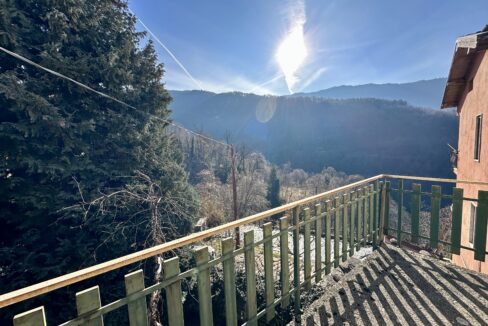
(273, 194)
(63, 149)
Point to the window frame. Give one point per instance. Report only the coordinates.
(478, 129)
(472, 223)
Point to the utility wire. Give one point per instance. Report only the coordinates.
(55, 73)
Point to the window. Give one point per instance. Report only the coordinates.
(477, 137)
(472, 219)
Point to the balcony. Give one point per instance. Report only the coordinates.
(375, 250)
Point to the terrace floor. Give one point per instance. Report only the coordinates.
(394, 286)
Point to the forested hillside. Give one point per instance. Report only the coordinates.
(423, 93)
(357, 136)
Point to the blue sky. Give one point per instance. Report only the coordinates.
(231, 45)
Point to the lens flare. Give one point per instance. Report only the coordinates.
(291, 54)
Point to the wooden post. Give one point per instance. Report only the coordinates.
(174, 304)
(229, 282)
(387, 208)
(381, 228)
(480, 226)
(268, 271)
(34, 317)
(360, 218)
(376, 213)
(234, 195)
(204, 288)
(307, 264)
(371, 213)
(337, 225)
(434, 216)
(352, 222)
(345, 228)
(318, 243)
(400, 212)
(134, 282)
(328, 241)
(249, 259)
(365, 215)
(284, 265)
(89, 301)
(415, 212)
(457, 216)
(296, 263)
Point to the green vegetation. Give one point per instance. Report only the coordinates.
(357, 136)
(83, 179)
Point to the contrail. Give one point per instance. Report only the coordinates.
(169, 52)
(266, 83)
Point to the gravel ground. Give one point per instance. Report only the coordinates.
(393, 286)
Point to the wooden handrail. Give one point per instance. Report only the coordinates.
(92, 271)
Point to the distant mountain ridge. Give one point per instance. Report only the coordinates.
(357, 136)
(422, 93)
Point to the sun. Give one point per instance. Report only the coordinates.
(291, 53)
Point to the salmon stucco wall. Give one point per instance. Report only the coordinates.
(473, 103)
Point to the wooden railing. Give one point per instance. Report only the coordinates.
(341, 221)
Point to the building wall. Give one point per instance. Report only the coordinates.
(473, 103)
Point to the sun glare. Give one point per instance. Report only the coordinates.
(291, 54)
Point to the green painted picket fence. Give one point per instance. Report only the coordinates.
(347, 218)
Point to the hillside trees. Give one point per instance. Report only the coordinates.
(83, 178)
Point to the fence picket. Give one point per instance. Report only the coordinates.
(434, 216)
(400, 213)
(457, 215)
(318, 243)
(352, 222)
(307, 264)
(34, 317)
(387, 208)
(249, 260)
(285, 272)
(229, 281)
(268, 271)
(359, 226)
(171, 268)
(296, 262)
(337, 226)
(328, 241)
(204, 288)
(481, 225)
(415, 212)
(134, 282)
(345, 228)
(89, 301)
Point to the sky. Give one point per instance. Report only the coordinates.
(238, 45)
